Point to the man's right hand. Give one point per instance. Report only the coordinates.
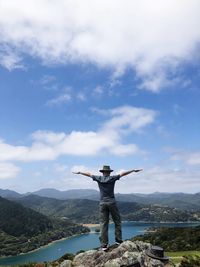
(83, 173)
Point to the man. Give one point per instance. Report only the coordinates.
(106, 183)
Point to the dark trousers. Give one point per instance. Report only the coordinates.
(105, 210)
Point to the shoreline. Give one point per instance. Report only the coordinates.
(161, 222)
(90, 225)
(43, 246)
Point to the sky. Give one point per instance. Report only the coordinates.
(90, 83)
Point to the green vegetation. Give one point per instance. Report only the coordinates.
(173, 239)
(190, 261)
(179, 256)
(79, 210)
(182, 244)
(174, 200)
(17, 220)
(23, 229)
(157, 213)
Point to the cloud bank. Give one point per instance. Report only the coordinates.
(48, 145)
(152, 37)
(8, 170)
(191, 158)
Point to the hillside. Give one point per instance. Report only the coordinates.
(86, 211)
(174, 200)
(173, 239)
(17, 220)
(23, 229)
(68, 194)
(6, 193)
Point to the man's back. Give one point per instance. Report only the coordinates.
(106, 186)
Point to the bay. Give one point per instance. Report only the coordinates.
(83, 242)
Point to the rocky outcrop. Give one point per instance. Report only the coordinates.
(126, 254)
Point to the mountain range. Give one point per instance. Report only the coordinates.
(28, 221)
(86, 211)
(182, 201)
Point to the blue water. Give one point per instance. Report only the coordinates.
(83, 242)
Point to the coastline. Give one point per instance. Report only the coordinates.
(48, 244)
(92, 225)
(163, 222)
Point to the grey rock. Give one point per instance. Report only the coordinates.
(88, 259)
(66, 263)
(142, 246)
(129, 258)
(155, 263)
(123, 255)
(113, 263)
(128, 246)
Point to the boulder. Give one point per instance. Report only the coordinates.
(66, 263)
(126, 254)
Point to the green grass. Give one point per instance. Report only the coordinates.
(176, 256)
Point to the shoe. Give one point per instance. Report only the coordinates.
(104, 247)
(117, 242)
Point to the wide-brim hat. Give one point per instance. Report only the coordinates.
(106, 168)
(156, 252)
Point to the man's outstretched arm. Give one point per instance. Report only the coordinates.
(128, 172)
(84, 173)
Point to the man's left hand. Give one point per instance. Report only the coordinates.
(139, 170)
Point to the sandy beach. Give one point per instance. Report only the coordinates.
(91, 225)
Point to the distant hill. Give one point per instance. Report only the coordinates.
(23, 229)
(68, 194)
(79, 210)
(174, 200)
(87, 211)
(6, 193)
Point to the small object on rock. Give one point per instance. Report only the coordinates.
(156, 252)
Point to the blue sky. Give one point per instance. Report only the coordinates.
(88, 84)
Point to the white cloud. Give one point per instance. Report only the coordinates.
(157, 178)
(10, 60)
(98, 91)
(37, 174)
(188, 157)
(48, 145)
(66, 96)
(128, 119)
(154, 83)
(125, 149)
(8, 170)
(81, 96)
(61, 99)
(66, 179)
(48, 137)
(60, 168)
(82, 168)
(48, 79)
(162, 179)
(152, 37)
